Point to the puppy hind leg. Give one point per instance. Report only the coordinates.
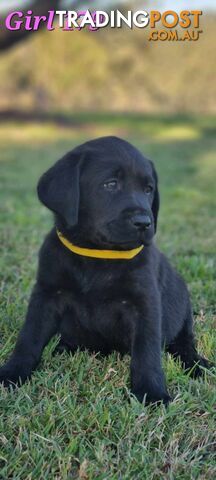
(184, 347)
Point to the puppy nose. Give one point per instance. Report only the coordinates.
(141, 222)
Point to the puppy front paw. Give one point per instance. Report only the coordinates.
(153, 397)
(164, 398)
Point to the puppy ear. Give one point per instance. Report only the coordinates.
(58, 188)
(156, 200)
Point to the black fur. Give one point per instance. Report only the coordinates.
(104, 195)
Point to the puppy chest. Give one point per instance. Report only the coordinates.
(106, 323)
(103, 309)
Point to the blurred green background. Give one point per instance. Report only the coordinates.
(108, 70)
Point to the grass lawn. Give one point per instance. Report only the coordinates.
(75, 418)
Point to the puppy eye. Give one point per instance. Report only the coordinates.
(148, 189)
(111, 185)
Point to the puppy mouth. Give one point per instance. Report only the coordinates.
(118, 244)
(119, 237)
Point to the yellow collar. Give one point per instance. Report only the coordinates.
(105, 254)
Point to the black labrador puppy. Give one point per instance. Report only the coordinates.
(101, 282)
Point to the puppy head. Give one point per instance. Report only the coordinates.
(103, 193)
